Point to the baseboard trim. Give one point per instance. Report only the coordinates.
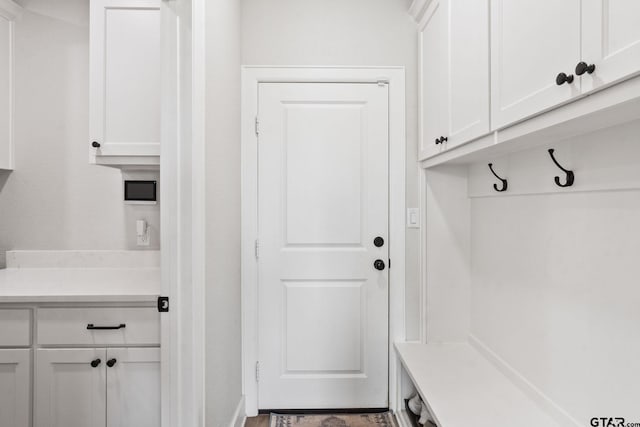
(525, 385)
(239, 415)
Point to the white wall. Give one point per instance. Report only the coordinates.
(223, 334)
(556, 277)
(54, 199)
(345, 32)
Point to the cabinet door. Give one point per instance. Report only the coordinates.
(125, 77)
(611, 40)
(15, 384)
(133, 387)
(433, 78)
(469, 71)
(7, 14)
(532, 41)
(69, 390)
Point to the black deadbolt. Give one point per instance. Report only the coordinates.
(378, 264)
(111, 363)
(95, 363)
(378, 242)
(95, 144)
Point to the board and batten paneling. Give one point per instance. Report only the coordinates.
(554, 272)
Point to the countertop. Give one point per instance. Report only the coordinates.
(90, 285)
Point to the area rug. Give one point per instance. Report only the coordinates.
(383, 419)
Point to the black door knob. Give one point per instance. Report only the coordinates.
(583, 67)
(95, 363)
(379, 264)
(95, 144)
(562, 78)
(111, 363)
(378, 242)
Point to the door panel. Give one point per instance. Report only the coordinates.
(323, 198)
(15, 386)
(611, 34)
(532, 42)
(434, 78)
(69, 391)
(133, 387)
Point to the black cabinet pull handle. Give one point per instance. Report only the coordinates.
(583, 67)
(95, 144)
(92, 327)
(441, 140)
(562, 78)
(95, 363)
(111, 363)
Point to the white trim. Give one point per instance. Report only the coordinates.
(251, 77)
(418, 8)
(239, 418)
(10, 10)
(534, 393)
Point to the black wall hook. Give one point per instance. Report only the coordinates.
(570, 175)
(505, 184)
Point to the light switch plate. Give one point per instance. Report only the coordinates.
(413, 218)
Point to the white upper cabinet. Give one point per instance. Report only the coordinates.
(433, 78)
(454, 77)
(611, 41)
(125, 81)
(8, 12)
(532, 43)
(469, 71)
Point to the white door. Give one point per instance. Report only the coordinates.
(125, 77)
(133, 387)
(15, 386)
(434, 79)
(532, 42)
(70, 388)
(611, 40)
(323, 199)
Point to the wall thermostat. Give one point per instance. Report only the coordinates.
(140, 192)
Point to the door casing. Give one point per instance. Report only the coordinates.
(251, 78)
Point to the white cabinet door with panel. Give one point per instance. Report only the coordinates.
(15, 386)
(611, 41)
(125, 80)
(70, 388)
(133, 387)
(532, 43)
(9, 11)
(434, 79)
(468, 88)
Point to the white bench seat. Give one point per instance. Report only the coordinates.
(462, 388)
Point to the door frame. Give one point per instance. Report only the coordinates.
(252, 76)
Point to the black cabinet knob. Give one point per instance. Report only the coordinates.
(111, 363)
(583, 67)
(562, 78)
(379, 264)
(95, 144)
(378, 242)
(437, 141)
(95, 363)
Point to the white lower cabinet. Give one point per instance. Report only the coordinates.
(97, 387)
(70, 388)
(133, 387)
(15, 385)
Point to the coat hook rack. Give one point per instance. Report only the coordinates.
(570, 175)
(504, 181)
